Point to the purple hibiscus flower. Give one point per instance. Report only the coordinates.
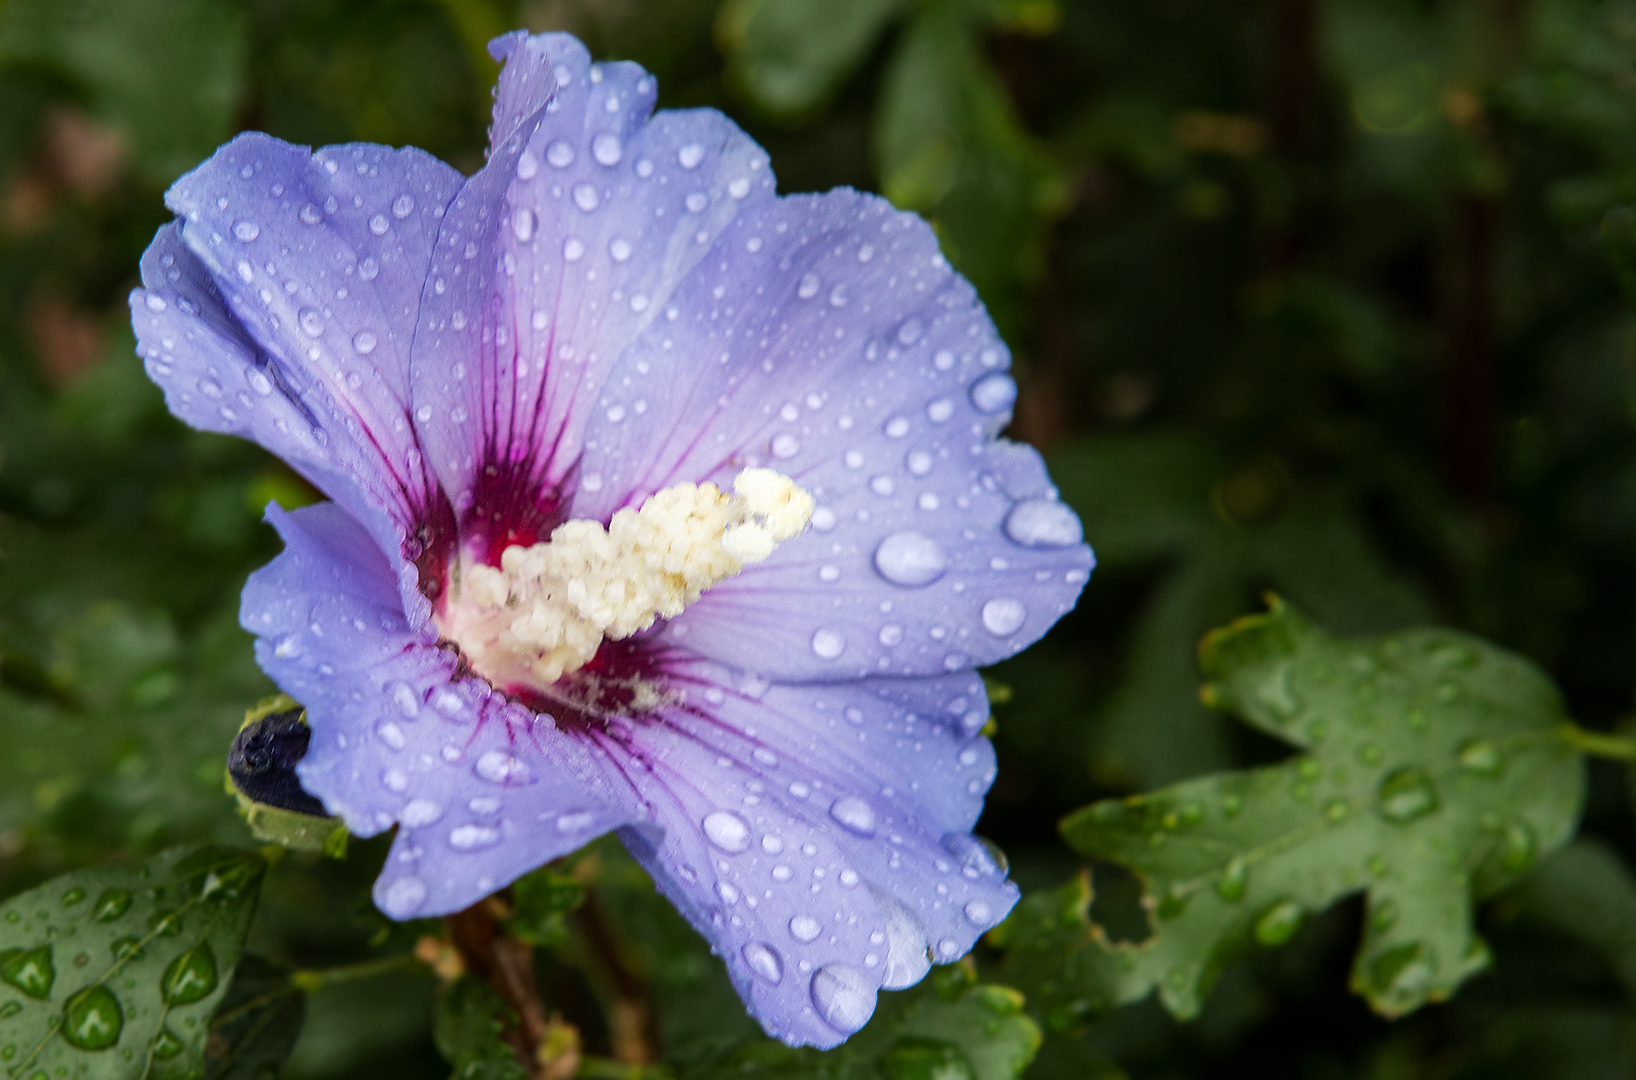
(659, 504)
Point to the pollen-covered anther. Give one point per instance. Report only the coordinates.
(542, 613)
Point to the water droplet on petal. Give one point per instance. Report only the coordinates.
(910, 559)
(606, 149)
(559, 154)
(311, 215)
(378, 225)
(690, 155)
(808, 287)
(390, 735)
(312, 323)
(499, 767)
(828, 644)
(908, 953)
(1003, 616)
(246, 231)
(368, 269)
(978, 913)
(1043, 523)
(473, 837)
(855, 814)
(727, 831)
(527, 165)
(364, 342)
(572, 249)
(586, 198)
(845, 997)
(403, 897)
(522, 224)
(764, 961)
(420, 812)
(403, 205)
(993, 393)
(804, 928)
(619, 249)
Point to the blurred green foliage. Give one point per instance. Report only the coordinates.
(1330, 297)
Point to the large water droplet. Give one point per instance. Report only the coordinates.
(809, 286)
(908, 952)
(994, 392)
(419, 812)
(473, 837)
(246, 231)
(690, 155)
(166, 1045)
(805, 928)
(403, 205)
(378, 225)
(92, 1019)
(1043, 523)
(527, 165)
(978, 857)
(364, 342)
(1278, 923)
(1406, 795)
(403, 897)
(522, 224)
(312, 323)
(499, 767)
(764, 961)
(111, 905)
(855, 814)
(606, 149)
(727, 831)
(191, 976)
(1003, 616)
(30, 971)
(586, 198)
(910, 559)
(828, 644)
(845, 997)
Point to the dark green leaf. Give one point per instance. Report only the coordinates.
(470, 1019)
(788, 55)
(256, 1025)
(541, 900)
(115, 973)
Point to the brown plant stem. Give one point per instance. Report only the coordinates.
(631, 1016)
(506, 964)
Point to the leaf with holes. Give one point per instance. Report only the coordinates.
(1434, 772)
(114, 973)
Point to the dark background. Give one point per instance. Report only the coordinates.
(1318, 296)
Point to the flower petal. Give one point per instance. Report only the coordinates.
(319, 259)
(827, 338)
(483, 790)
(818, 835)
(552, 259)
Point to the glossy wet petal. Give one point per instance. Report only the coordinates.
(552, 259)
(483, 790)
(826, 337)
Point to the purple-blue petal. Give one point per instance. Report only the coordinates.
(826, 337)
(557, 254)
(482, 790)
(819, 835)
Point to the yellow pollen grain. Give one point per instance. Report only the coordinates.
(544, 611)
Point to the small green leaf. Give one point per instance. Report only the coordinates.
(470, 1020)
(114, 973)
(1435, 773)
(542, 898)
(256, 1025)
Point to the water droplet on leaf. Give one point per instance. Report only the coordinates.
(92, 1019)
